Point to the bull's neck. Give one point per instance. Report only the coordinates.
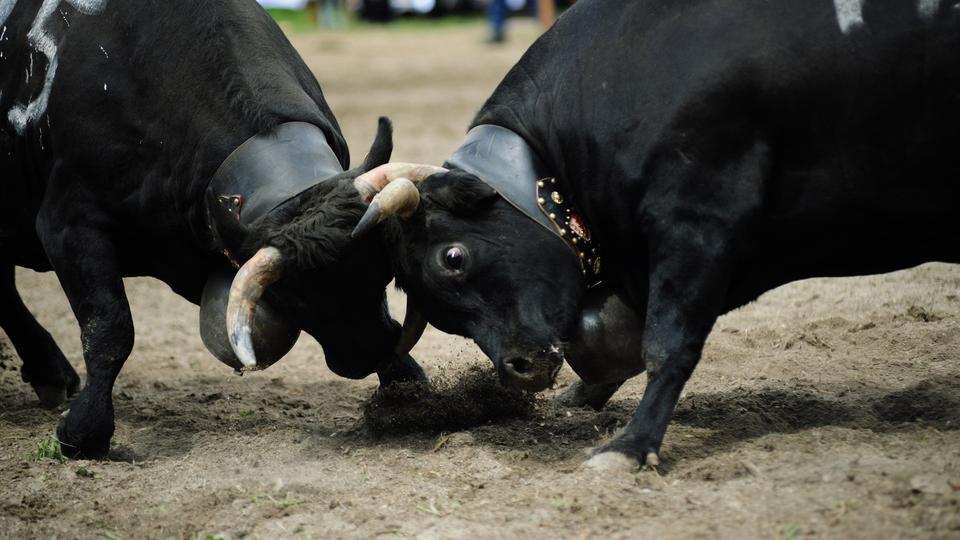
(263, 173)
(506, 162)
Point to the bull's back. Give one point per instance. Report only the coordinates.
(127, 108)
(853, 105)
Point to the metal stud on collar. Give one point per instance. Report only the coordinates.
(571, 227)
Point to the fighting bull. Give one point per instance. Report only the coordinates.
(647, 166)
(180, 140)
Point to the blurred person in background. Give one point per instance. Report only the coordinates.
(498, 10)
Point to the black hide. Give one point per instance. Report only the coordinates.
(718, 149)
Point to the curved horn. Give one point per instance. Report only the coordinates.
(400, 197)
(413, 326)
(246, 290)
(373, 181)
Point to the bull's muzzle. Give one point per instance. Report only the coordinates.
(532, 372)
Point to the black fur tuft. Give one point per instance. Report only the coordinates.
(312, 230)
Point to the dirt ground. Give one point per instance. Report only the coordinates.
(828, 408)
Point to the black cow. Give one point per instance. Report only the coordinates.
(704, 151)
(168, 139)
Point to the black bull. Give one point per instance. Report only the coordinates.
(117, 120)
(709, 151)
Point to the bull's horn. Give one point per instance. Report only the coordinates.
(413, 326)
(400, 197)
(246, 290)
(373, 181)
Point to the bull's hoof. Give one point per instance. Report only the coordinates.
(580, 394)
(78, 444)
(404, 369)
(612, 462)
(51, 397)
(54, 383)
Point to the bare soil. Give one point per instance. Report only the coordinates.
(827, 408)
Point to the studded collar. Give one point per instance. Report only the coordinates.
(505, 162)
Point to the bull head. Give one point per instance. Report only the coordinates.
(476, 266)
(274, 260)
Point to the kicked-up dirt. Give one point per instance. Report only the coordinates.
(827, 408)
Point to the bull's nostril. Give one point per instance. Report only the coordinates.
(520, 365)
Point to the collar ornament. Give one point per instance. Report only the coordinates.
(570, 227)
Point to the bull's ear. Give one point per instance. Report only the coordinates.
(382, 146)
(458, 192)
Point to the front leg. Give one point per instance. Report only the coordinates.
(697, 216)
(581, 394)
(688, 281)
(85, 260)
(401, 369)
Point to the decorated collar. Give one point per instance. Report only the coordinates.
(505, 162)
(264, 172)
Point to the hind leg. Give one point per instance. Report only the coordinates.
(44, 366)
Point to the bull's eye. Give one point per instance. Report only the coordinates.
(454, 258)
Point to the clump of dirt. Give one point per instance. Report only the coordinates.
(921, 315)
(934, 403)
(6, 358)
(473, 399)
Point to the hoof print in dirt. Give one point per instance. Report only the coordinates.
(473, 399)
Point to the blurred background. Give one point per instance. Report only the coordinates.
(330, 14)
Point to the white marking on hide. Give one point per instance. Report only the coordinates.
(104, 87)
(926, 9)
(63, 14)
(31, 65)
(849, 14)
(3, 33)
(6, 6)
(104, 51)
(43, 41)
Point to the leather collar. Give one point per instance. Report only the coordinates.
(263, 173)
(505, 162)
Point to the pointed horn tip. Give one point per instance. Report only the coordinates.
(245, 291)
(371, 218)
(243, 349)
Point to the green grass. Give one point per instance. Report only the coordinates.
(84, 472)
(48, 448)
(300, 21)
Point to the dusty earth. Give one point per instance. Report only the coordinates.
(827, 408)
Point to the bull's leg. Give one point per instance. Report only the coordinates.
(403, 369)
(695, 223)
(688, 282)
(595, 396)
(85, 261)
(44, 366)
